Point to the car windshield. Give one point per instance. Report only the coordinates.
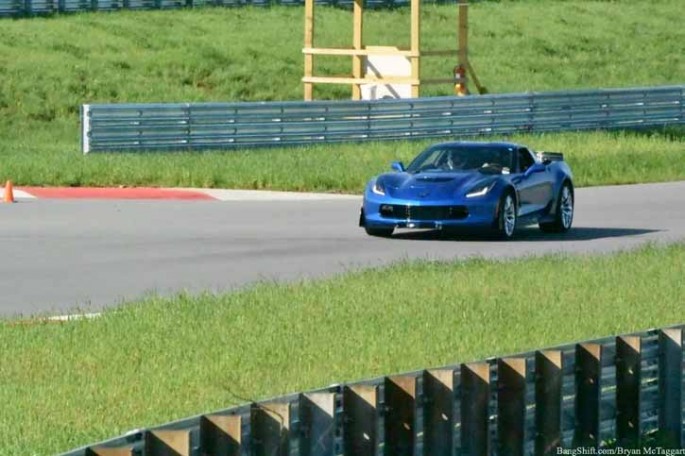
(448, 158)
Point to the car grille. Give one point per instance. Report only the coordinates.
(399, 211)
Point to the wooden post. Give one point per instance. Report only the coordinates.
(317, 421)
(548, 383)
(588, 389)
(628, 359)
(358, 44)
(167, 443)
(461, 86)
(463, 42)
(438, 418)
(670, 387)
(475, 399)
(400, 402)
(360, 409)
(220, 434)
(270, 429)
(511, 405)
(308, 43)
(415, 47)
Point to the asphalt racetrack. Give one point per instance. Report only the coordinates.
(68, 256)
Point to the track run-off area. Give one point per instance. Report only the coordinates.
(67, 256)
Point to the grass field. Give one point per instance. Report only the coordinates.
(64, 385)
(596, 158)
(150, 362)
(50, 66)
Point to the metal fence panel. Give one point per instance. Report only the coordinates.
(198, 126)
(20, 8)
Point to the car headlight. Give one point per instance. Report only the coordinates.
(480, 190)
(378, 188)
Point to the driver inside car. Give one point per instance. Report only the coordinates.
(456, 161)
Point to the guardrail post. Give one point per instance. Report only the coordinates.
(167, 443)
(220, 434)
(670, 387)
(438, 409)
(628, 357)
(588, 376)
(360, 408)
(511, 405)
(85, 125)
(475, 398)
(270, 429)
(400, 423)
(317, 421)
(548, 383)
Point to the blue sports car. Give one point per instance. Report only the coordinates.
(487, 185)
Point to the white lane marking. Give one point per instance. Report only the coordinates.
(54, 319)
(85, 316)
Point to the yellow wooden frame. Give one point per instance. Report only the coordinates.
(358, 51)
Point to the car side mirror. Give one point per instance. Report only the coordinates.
(397, 166)
(546, 161)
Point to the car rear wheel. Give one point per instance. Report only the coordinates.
(380, 232)
(506, 217)
(563, 216)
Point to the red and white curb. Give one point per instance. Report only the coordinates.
(150, 193)
(21, 194)
(263, 195)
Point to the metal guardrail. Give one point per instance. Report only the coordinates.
(198, 126)
(616, 390)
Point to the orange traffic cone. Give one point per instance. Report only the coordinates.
(9, 194)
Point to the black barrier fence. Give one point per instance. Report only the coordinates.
(624, 391)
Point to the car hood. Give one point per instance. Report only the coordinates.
(430, 185)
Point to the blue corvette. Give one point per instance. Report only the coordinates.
(492, 186)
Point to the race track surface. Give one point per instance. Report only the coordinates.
(66, 256)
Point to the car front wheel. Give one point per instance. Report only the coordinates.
(506, 217)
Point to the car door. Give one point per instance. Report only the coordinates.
(533, 182)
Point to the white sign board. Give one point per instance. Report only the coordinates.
(379, 65)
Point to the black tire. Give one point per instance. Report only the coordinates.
(379, 232)
(505, 225)
(563, 212)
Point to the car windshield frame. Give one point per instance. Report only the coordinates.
(452, 158)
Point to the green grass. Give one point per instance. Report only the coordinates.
(50, 66)
(596, 158)
(146, 363)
